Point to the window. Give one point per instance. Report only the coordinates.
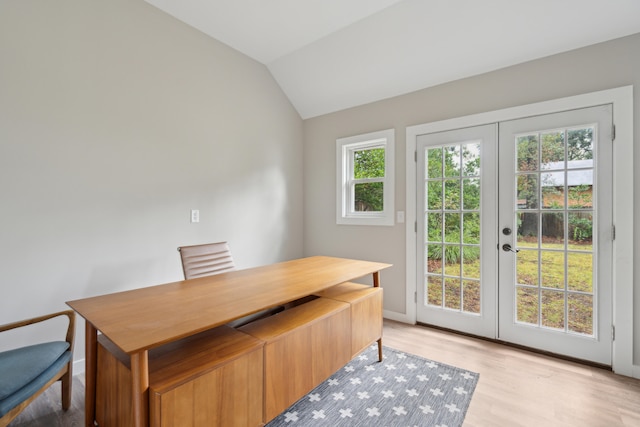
(365, 184)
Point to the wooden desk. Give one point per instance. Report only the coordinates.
(141, 319)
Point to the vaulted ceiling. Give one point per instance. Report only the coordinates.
(328, 55)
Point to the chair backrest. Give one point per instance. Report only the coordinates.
(206, 260)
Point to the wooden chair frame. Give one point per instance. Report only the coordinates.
(65, 375)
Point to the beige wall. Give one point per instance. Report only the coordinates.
(117, 119)
(598, 67)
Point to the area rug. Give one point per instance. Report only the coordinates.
(402, 390)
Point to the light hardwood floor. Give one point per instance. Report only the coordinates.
(516, 387)
(521, 388)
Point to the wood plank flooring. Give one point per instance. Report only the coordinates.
(516, 387)
(521, 388)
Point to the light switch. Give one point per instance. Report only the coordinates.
(400, 217)
(195, 215)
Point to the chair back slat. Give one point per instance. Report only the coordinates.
(206, 259)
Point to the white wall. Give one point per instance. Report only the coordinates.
(115, 121)
(603, 66)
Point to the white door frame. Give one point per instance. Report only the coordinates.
(622, 100)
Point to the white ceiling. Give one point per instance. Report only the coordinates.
(328, 55)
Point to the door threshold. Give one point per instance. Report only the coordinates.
(521, 347)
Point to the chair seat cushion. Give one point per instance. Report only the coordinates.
(20, 366)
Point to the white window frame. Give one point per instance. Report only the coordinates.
(345, 147)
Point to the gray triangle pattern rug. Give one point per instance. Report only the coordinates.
(402, 390)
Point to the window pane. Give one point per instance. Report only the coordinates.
(452, 161)
(552, 190)
(580, 184)
(552, 269)
(452, 260)
(434, 227)
(553, 230)
(471, 194)
(434, 163)
(527, 305)
(471, 227)
(434, 290)
(527, 229)
(452, 194)
(553, 309)
(452, 293)
(552, 150)
(581, 230)
(527, 267)
(369, 197)
(471, 160)
(471, 262)
(527, 147)
(580, 148)
(434, 195)
(580, 272)
(471, 296)
(452, 228)
(368, 163)
(527, 186)
(434, 258)
(580, 314)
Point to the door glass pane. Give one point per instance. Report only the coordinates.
(471, 262)
(580, 272)
(580, 195)
(452, 293)
(471, 296)
(552, 309)
(452, 221)
(471, 194)
(471, 159)
(552, 263)
(527, 267)
(528, 191)
(580, 308)
(581, 230)
(554, 212)
(552, 230)
(434, 163)
(471, 227)
(527, 149)
(527, 223)
(527, 305)
(452, 161)
(552, 151)
(552, 184)
(452, 194)
(580, 147)
(434, 290)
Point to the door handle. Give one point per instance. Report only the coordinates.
(507, 248)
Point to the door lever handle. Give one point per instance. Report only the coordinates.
(507, 248)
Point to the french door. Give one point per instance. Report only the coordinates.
(515, 231)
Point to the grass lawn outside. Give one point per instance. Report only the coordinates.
(545, 296)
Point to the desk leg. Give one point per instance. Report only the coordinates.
(376, 284)
(140, 384)
(91, 369)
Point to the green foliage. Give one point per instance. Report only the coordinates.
(581, 229)
(369, 163)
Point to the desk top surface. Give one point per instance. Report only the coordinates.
(145, 318)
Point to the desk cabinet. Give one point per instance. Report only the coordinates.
(214, 378)
(366, 312)
(303, 347)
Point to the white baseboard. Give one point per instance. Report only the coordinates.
(78, 367)
(399, 317)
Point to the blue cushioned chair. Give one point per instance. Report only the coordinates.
(26, 372)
